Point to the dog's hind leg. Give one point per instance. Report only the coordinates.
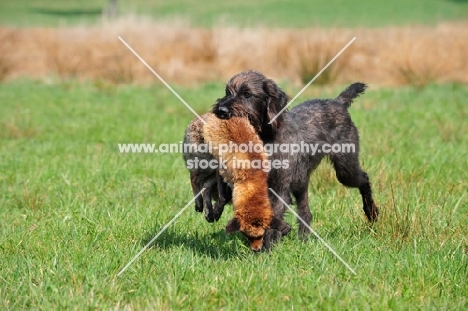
(370, 209)
(350, 174)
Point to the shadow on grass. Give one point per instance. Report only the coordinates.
(216, 245)
(67, 12)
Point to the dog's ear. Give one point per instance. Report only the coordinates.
(280, 225)
(233, 226)
(276, 101)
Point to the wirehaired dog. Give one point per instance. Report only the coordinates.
(207, 177)
(253, 214)
(317, 121)
(263, 99)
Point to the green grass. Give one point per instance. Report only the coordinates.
(73, 211)
(277, 13)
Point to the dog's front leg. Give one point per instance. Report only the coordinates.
(272, 236)
(207, 201)
(195, 182)
(303, 210)
(224, 196)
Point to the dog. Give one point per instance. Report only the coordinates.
(247, 174)
(263, 100)
(319, 121)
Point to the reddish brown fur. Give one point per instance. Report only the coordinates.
(252, 210)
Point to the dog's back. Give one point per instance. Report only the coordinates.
(328, 120)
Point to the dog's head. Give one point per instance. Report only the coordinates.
(255, 229)
(250, 94)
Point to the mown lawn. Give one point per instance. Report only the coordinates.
(270, 13)
(74, 211)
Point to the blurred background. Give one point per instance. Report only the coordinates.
(398, 42)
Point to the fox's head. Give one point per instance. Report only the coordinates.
(254, 229)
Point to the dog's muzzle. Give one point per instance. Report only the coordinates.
(223, 113)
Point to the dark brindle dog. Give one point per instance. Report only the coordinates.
(318, 121)
(263, 99)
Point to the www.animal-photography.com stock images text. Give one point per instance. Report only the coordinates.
(268, 155)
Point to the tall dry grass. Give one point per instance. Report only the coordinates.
(182, 54)
(7, 59)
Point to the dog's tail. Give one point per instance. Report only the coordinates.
(354, 90)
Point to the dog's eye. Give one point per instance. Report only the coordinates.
(228, 92)
(247, 94)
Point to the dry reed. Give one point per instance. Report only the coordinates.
(182, 54)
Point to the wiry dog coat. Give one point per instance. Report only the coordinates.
(319, 121)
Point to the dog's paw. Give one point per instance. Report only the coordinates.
(198, 208)
(286, 229)
(270, 238)
(303, 233)
(372, 212)
(209, 215)
(218, 210)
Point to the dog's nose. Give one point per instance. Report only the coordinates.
(222, 112)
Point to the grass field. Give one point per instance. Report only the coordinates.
(271, 13)
(74, 211)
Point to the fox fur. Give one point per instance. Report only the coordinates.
(253, 213)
